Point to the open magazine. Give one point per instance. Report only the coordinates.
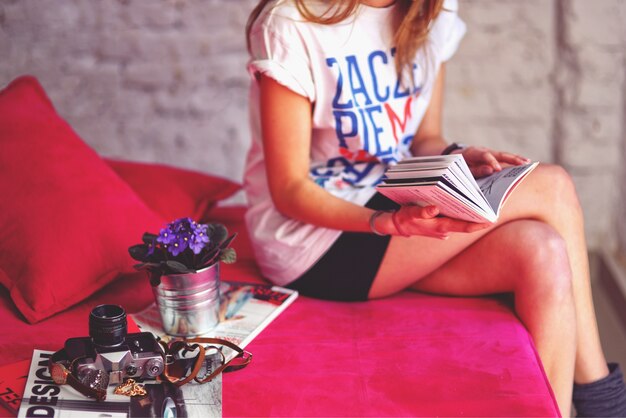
(447, 182)
(44, 398)
(245, 310)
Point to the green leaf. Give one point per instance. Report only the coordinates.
(217, 233)
(147, 265)
(177, 267)
(227, 242)
(139, 252)
(209, 257)
(228, 256)
(149, 238)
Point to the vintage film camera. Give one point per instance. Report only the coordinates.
(110, 354)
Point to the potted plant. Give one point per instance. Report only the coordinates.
(183, 262)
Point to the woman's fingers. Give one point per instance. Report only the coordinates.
(426, 212)
(509, 158)
(484, 162)
(417, 220)
(445, 225)
(480, 156)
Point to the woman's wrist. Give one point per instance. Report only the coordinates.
(376, 223)
(454, 148)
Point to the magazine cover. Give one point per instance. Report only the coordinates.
(245, 310)
(44, 398)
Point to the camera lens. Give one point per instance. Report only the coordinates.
(107, 325)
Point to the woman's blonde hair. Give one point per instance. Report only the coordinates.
(412, 24)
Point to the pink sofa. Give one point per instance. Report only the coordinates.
(407, 355)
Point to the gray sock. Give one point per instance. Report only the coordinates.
(603, 398)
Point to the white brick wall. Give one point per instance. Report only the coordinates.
(589, 116)
(165, 81)
(145, 80)
(546, 79)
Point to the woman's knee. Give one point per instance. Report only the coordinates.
(544, 262)
(557, 185)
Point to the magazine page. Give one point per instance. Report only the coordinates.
(462, 170)
(245, 310)
(414, 174)
(407, 194)
(464, 186)
(44, 398)
(497, 186)
(455, 205)
(428, 161)
(467, 188)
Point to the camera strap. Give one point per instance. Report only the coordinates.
(61, 369)
(179, 367)
(178, 370)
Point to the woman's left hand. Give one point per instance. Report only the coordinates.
(483, 161)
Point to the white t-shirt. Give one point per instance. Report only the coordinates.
(363, 119)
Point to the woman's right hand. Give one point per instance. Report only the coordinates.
(416, 220)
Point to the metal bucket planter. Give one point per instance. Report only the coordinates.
(189, 303)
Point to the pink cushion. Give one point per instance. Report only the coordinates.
(407, 355)
(67, 219)
(174, 192)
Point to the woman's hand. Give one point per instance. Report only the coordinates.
(416, 220)
(483, 161)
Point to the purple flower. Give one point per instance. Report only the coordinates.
(198, 238)
(183, 233)
(166, 236)
(191, 245)
(198, 242)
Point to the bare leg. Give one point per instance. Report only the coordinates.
(538, 274)
(548, 196)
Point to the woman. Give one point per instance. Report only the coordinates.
(343, 89)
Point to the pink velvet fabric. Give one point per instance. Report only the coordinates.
(407, 355)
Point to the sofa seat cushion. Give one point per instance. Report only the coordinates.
(407, 355)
